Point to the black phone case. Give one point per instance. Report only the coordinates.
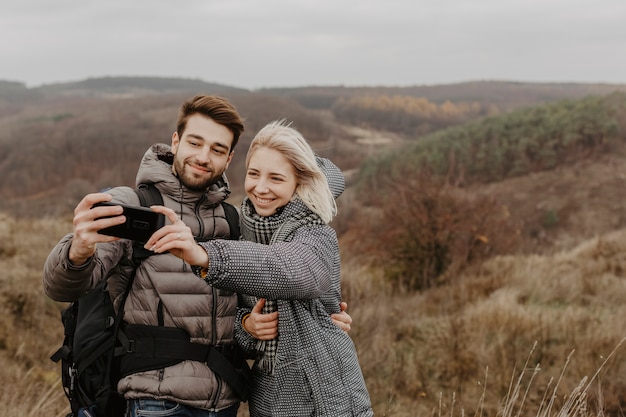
(141, 223)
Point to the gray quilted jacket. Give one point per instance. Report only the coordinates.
(163, 283)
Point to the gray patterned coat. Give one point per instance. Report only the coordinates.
(317, 371)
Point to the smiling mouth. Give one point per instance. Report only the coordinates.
(263, 200)
(200, 169)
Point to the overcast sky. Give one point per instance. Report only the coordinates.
(273, 43)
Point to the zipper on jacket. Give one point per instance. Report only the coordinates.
(214, 316)
(216, 395)
(201, 231)
(196, 211)
(180, 204)
(160, 316)
(214, 341)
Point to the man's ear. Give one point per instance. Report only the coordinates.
(175, 142)
(230, 158)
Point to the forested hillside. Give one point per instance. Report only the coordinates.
(517, 143)
(441, 219)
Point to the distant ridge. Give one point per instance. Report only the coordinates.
(119, 87)
(135, 86)
(507, 95)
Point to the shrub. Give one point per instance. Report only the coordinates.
(432, 229)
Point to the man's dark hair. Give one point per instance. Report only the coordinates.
(219, 109)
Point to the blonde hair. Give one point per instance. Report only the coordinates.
(312, 185)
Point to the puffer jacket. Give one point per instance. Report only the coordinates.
(165, 289)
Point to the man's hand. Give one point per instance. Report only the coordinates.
(343, 319)
(87, 222)
(261, 326)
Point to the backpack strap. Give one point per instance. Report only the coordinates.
(155, 347)
(148, 195)
(232, 217)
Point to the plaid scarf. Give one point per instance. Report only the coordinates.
(267, 230)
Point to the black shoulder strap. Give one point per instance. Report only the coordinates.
(232, 217)
(148, 195)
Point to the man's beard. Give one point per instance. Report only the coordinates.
(191, 181)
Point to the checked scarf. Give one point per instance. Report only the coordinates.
(267, 230)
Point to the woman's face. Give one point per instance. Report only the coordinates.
(270, 181)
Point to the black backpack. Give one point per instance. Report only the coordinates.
(99, 348)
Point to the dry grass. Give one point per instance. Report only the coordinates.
(567, 310)
(30, 327)
(520, 336)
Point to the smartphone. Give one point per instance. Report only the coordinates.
(141, 222)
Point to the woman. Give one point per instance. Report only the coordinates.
(291, 255)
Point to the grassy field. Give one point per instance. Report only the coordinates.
(519, 336)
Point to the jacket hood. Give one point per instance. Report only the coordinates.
(336, 180)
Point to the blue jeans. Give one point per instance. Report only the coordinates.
(148, 407)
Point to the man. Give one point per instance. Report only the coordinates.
(190, 176)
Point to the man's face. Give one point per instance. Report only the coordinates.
(202, 154)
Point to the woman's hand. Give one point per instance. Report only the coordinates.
(342, 319)
(177, 239)
(261, 326)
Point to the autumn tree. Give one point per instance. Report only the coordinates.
(431, 229)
